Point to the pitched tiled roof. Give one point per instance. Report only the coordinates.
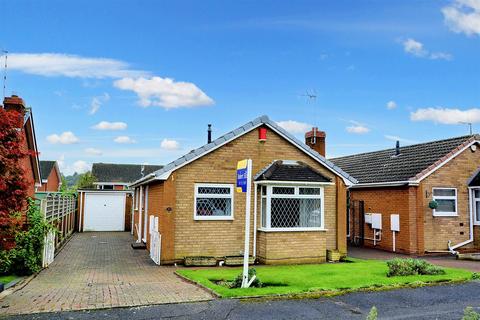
(413, 162)
(45, 168)
(199, 152)
(123, 173)
(290, 171)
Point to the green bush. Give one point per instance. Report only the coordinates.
(470, 314)
(26, 257)
(408, 267)
(475, 275)
(237, 282)
(373, 314)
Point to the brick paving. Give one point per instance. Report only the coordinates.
(448, 260)
(100, 270)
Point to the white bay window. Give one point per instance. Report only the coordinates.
(292, 208)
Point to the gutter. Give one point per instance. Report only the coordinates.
(385, 184)
(451, 248)
(142, 180)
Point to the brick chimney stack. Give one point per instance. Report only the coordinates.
(14, 103)
(315, 139)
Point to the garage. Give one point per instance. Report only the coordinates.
(104, 210)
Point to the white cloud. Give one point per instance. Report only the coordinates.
(446, 115)
(81, 166)
(105, 125)
(294, 127)
(97, 102)
(391, 105)
(124, 139)
(416, 48)
(168, 144)
(72, 66)
(463, 16)
(67, 137)
(164, 92)
(397, 138)
(93, 152)
(357, 128)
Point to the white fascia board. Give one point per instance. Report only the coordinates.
(111, 183)
(448, 160)
(296, 183)
(385, 184)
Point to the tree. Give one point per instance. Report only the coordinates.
(13, 180)
(86, 181)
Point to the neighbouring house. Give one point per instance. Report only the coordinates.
(51, 176)
(298, 199)
(111, 176)
(30, 163)
(416, 199)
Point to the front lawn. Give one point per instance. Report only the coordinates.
(7, 279)
(309, 278)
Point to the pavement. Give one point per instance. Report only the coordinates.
(447, 260)
(98, 270)
(438, 302)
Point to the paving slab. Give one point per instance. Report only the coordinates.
(98, 270)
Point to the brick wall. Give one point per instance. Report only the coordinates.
(221, 238)
(387, 201)
(53, 183)
(438, 230)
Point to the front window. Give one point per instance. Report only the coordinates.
(213, 202)
(292, 208)
(446, 199)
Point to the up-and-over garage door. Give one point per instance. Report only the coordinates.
(104, 212)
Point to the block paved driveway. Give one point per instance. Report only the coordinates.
(100, 270)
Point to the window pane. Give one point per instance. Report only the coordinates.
(264, 212)
(213, 190)
(309, 191)
(477, 193)
(285, 213)
(445, 205)
(283, 190)
(214, 207)
(264, 190)
(444, 192)
(477, 211)
(310, 213)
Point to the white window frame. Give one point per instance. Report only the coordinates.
(473, 205)
(296, 195)
(445, 214)
(213, 196)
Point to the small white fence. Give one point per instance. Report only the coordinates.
(60, 210)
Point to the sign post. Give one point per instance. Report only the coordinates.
(244, 185)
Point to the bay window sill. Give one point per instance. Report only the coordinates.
(291, 229)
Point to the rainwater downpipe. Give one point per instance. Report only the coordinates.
(451, 248)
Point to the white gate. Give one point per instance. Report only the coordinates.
(155, 240)
(48, 249)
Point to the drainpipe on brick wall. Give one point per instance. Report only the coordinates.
(452, 248)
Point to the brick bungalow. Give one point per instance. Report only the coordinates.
(51, 177)
(403, 182)
(299, 199)
(112, 176)
(31, 163)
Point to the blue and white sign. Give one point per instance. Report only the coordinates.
(242, 176)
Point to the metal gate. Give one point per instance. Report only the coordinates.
(357, 222)
(48, 249)
(155, 240)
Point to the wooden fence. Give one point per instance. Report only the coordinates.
(60, 210)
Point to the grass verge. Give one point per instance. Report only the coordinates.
(325, 279)
(7, 278)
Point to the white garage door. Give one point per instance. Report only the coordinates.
(104, 212)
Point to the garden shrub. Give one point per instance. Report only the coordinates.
(475, 275)
(470, 314)
(408, 267)
(26, 257)
(237, 282)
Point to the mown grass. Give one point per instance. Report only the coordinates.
(7, 278)
(297, 279)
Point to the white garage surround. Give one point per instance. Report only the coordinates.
(104, 211)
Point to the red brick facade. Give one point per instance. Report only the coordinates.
(53, 182)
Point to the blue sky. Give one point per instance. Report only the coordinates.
(155, 73)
